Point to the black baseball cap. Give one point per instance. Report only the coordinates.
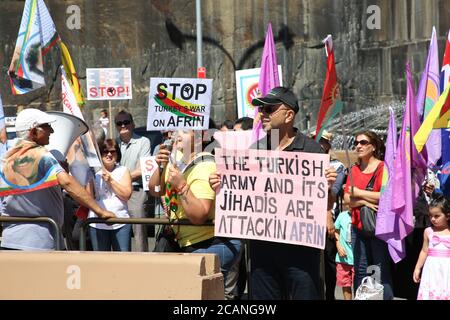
(278, 95)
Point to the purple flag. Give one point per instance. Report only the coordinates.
(268, 77)
(427, 96)
(409, 167)
(387, 219)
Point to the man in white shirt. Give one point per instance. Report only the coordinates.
(133, 147)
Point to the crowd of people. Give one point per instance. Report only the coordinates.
(186, 183)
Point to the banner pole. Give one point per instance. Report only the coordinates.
(110, 120)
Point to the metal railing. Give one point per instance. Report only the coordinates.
(111, 221)
(37, 220)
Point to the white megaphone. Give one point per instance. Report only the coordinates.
(66, 129)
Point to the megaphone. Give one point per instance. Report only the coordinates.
(67, 128)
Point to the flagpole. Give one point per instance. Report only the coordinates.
(110, 119)
(198, 15)
(347, 155)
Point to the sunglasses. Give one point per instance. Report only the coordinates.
(105, 152)
(44, 126)
(123, 123)
(361, 142)
(269, 108)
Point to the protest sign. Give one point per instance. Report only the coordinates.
(179, 104)
(148, 167)
(108, 83)
(247, 89)
(272, 195)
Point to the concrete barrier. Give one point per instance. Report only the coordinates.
(108, 275)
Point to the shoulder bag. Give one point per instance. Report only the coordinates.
(368, 215)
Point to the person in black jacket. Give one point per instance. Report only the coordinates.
(279, 270)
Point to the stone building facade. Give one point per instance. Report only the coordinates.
(157, 38)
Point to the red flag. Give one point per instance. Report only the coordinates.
(331, 102)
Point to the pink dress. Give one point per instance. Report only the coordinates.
(435, 280)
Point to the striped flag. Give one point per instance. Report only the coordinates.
(37, 34)
(439, 117)
(331, 103)
(427, 96)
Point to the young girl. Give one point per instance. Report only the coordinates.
(435, 254)
(344, 255)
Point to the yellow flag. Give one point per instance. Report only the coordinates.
(72, 77)
(432, 121)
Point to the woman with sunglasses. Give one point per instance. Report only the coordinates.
(187, 194)
(367, 250)
(112, 191)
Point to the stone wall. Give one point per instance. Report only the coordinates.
(157, 38)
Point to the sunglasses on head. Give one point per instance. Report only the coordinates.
(361, 142)
(123, 123)
(269, 108)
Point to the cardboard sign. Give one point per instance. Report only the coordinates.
(274, 196)
(108, 83)
(247, 89)
(179, 104)
(148, 167)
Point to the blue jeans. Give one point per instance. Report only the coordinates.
(371, 251)
(118, 239)
(228, 252)
(284, 271)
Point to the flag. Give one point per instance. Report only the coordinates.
(3, 135)
(331, 103)
(427, 96)
(37, 34)
(2, 118)
(434, 119)
(69, 101)
(445, 134)
(268, 77)
(445, 70)
(86, 148)
(71, 74)
(387, 220)
(409, 168)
